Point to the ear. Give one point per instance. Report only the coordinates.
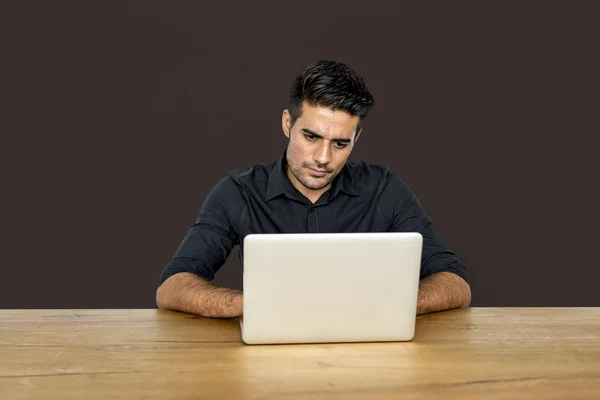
(286, 121)
(357, 134)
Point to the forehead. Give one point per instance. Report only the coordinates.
(327, 122)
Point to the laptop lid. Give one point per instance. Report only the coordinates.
(330, 287)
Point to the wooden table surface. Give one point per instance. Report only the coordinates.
(476, 353)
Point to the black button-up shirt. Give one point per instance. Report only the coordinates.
(261, 199)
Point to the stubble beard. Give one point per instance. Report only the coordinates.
(310, 182)
(306, 180)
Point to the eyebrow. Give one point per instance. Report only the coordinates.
(338, 140)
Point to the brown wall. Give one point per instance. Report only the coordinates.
(118, 117)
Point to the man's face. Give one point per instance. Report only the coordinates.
(320, 142)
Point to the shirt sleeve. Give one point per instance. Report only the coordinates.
(408, 216)
(210, 240)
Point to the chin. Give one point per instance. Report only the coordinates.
(315, 184)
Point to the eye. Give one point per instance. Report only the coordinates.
(309, 137)
(340, 145)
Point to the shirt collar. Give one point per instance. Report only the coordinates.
(279, 183)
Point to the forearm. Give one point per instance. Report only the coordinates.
(442, 291)
(192, 294)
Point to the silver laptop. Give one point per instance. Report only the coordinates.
(330, 287)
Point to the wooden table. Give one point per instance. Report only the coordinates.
(477, 353)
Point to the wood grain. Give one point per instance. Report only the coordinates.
(492, 353)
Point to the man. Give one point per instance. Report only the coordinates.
(311, 188)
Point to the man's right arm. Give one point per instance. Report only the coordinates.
(185, 283)
(195, 295)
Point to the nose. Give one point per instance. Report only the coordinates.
(323, 154)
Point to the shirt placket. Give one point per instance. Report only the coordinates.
(313, 220)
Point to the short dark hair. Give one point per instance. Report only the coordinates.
(330, 84)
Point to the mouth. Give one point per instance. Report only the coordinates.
(317, 173)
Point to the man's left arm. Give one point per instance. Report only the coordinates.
(443, 281)
(442, 291)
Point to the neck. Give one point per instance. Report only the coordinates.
(310, 194)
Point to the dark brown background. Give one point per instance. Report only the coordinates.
(118, 117)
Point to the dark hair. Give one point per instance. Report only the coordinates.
(330, 84)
